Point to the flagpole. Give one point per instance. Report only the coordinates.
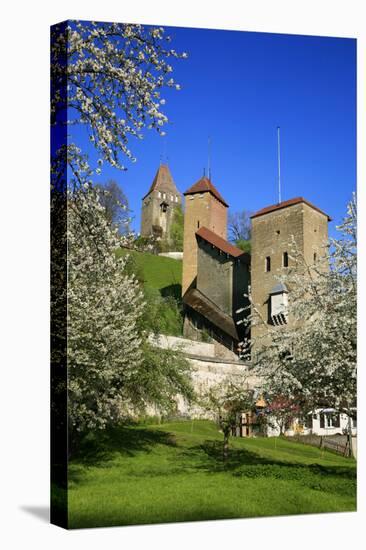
(279, 163)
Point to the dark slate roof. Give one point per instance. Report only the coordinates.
(279, 289)
(285, 204)
(205, 185)
(202, 305)
(163, 181)
(221, 244)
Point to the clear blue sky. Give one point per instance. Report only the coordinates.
(237, 87)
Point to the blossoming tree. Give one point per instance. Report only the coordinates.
(106, 79)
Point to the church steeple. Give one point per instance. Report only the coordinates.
(163, 181)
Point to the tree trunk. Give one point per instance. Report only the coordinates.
(226, 446)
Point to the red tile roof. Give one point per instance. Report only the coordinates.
(284, 204)
(221, 244)
(203, 185)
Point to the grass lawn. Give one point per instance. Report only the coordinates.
(174, 472)
(158, 271)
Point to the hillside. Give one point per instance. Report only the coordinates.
(157, 272)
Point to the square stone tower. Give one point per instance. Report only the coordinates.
(272, 231)
(204, 207)
(158, 205)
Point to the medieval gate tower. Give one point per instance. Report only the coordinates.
(158, 205)
(204, 207)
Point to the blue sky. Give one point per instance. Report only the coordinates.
(237, 87)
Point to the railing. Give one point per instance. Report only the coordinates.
(337, 444)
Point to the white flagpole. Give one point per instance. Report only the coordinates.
(279, 163)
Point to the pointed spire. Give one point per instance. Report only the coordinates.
(163, 181)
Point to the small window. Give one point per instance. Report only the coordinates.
(314, 257)
(285, 259)
(159, 194)
(278, 231)
(198, 224)
(268, 264)
(164, 195)
(176, 198)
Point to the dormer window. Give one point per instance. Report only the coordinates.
(278, 304)
(268, 264)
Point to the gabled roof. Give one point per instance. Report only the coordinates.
(285, 204)
(163, 181)
(202, 305)
(222, 245)
(205, 185)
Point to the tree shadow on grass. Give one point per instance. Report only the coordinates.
(243, 463)
(98, 447)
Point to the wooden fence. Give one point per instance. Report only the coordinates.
(337, 444)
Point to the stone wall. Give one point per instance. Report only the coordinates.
(153, 215)
(207, 369)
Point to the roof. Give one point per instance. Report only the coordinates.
(163, 181)
(279, 289)
(221, 244)
(285, 204)
(202, 305)
(202, 186)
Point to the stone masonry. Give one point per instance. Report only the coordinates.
(272, 233)
(202, 209)
(158, 205)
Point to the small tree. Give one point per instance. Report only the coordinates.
(283, 411)
(227, 401)
(115, 205)
(239, 229)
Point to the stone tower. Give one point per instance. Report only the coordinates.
(204, 207)
(158, 205)
(272, 231)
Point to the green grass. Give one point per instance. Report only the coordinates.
(174, 472)
(157, 271)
